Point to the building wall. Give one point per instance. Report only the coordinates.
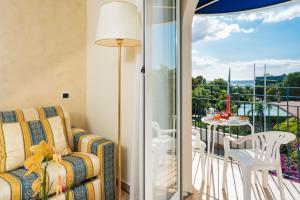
(42, 54)
(47, 47)
(187, 14)
(102, 80)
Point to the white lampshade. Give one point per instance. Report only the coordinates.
(118, 20)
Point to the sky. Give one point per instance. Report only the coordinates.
(164, 45)
(270, 36)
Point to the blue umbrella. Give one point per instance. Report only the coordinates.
(214, 7)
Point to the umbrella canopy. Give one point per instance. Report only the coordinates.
(215, 7)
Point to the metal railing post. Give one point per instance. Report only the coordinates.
(287, 129)
(298, 138)
(254, 94)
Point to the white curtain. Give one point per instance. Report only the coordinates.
(136, 173)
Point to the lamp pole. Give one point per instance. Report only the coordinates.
(120, 30)
(119, 42)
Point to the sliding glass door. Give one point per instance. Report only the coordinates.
(162, 100)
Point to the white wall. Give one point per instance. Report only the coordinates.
(102, 88)
(187, 7)
(42, 54)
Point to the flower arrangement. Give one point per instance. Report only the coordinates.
(44, 152)
(290, 162)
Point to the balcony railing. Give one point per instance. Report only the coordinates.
(282, 114)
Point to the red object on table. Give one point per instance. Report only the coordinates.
(228, 104)
(225, 115)
(217, 117)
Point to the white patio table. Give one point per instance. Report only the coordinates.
(215, 123)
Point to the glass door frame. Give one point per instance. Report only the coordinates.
(147, 137)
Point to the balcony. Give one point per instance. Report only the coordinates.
(234, 186)
(279, 111)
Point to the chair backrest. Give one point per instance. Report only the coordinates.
(197, 135)
(156, 128)
(267, 145)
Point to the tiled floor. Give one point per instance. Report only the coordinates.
(234, 186)
(234, 189)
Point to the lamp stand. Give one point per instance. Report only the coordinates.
(119, 41)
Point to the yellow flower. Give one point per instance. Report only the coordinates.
(57, 158)
(61, 185)
(36, 186)
(33, 164)
(43, 148)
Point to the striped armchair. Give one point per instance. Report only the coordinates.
(88, 162)
(87, 142)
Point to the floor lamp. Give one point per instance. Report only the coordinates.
(118, 26)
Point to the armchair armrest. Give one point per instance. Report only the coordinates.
(228, 139)
(168, 131)
(85, 141)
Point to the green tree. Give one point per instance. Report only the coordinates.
(199, 80)
(241, 94)
(273, 93)
(221, 100)
(221, 83)
(259, 108)
(200, 97)
(289, 125)
(293, 80)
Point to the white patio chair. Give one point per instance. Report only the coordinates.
(163, 132)
(163, 146)
(199, 146)
(164, 137)
(265, 156)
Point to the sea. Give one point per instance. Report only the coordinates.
(244, 83)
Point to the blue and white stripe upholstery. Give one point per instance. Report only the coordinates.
(75, 169)
(33, 114)
(88, 191)
(17, 138)
(85, 141)
(92, 157)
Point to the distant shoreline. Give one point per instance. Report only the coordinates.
(241, 82)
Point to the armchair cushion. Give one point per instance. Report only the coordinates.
(90, 191)
(76, 169)
(17, 138)
(85, 141)
(32, 114)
